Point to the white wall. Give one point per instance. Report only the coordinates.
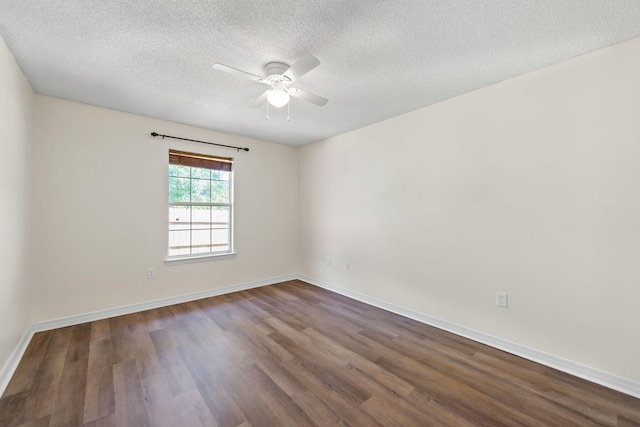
(100, 191)
(15, 136)
(530, 186)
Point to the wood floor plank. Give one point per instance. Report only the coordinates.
(316, 409)
(100, 396)
(332, 394)
(40, 422)
(289, 354)
(175, 372)
(106, 421)
(12, 409)
(397, 385)
(100, 330)
(277, 403)
(129, 397)
(129, 325)
(397, 412)
(193, 410)
(211, 379)
(68, 407)
(262, 346)
(40, 400)
(26, 372)
(162, 410)
(307, 401)
(158, 318)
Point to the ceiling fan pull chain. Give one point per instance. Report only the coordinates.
(267, 110)
(288, 111)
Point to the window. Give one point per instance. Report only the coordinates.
(200, 205)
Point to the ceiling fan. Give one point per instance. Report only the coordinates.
(282, 81)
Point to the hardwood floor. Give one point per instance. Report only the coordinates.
(289, 354)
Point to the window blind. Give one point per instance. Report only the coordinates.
(184, 158)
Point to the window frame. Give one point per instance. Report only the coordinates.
(203, 256)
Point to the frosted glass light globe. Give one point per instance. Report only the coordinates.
(278, 98)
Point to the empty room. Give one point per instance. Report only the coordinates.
(320, 213)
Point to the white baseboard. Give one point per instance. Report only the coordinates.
(624, 385)
(14, 358)
(148, 305)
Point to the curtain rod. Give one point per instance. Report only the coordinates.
(195, 140)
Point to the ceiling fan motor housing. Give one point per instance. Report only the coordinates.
(274, 72)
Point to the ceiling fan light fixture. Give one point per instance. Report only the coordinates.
(279, 76)
(278, 98)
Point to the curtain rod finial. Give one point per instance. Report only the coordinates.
(154, 133)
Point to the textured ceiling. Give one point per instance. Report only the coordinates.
(379, 58)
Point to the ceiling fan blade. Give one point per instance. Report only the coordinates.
(237, 72)
(305, 64)
(310, 97)
(261, 100)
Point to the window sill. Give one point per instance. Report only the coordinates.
(198, 258)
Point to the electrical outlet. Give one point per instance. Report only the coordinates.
(501, 299)
(347, 265)
(151, 273)
(327, 261)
